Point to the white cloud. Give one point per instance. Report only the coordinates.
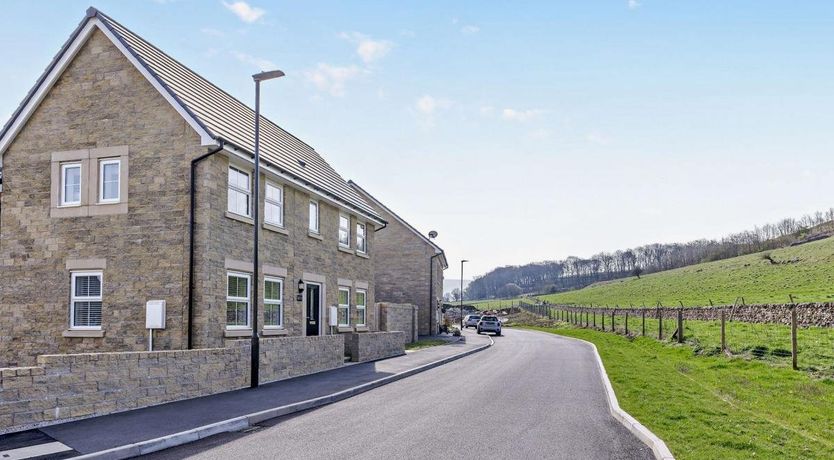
(212, 32)
(332, 79)
(260, 63)
(368, 49)
(634, 4)
(520, 116)
(428, 105)
(244, 11)
(470, 30)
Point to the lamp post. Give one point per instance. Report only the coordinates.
(254, 367)
(461, 293)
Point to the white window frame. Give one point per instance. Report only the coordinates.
(247, 191)
(363, 308)
(346, 230)
(273, 302)
(317, 229)
(342, 306)
(74, 299)
(363, 248)
(278, 203)
(101, 165)
(247, 300)
(63, 183)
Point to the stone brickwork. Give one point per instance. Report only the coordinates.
(64, 387)
(401, 266)
(399, 317)
(371, 346)
(100, 101)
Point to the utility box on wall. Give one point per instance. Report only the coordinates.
(155, 314)
(333, 317)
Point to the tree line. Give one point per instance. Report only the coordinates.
(576, 272)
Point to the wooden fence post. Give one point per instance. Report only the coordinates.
(680, 326)
(723, 331)
(613, 329)
(595, 319)
(794, 350)
(626, 324)
(644, 322)
(659, 324)
(602, 315)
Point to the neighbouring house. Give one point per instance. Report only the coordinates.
(408, 266)
(127, 177)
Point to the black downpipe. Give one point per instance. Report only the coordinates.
(432, 307)
(191, 240)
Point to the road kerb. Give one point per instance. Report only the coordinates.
(245, 421)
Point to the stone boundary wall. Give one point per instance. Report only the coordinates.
(371, 346)
(807, 314)
(399, 317)
(66, 387)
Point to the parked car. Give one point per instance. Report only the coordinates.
(471, 321)
(489, 324)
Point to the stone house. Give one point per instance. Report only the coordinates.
(127, 177)
(408, 266)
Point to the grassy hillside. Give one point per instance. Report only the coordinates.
(805, 271)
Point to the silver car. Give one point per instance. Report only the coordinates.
(471, 321)
(489, 324)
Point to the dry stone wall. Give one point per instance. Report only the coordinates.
(371, 346)
(399, 317)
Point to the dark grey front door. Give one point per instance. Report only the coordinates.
(313, 307)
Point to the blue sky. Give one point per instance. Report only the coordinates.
(519, 131)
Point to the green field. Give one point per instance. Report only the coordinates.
(805, 271)
(708, 407)
(499, 303)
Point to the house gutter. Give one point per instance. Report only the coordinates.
(193, 193)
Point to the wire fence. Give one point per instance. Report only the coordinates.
(800, 336)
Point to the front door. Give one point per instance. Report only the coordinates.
(313, 308)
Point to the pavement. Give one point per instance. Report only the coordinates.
(531, 395)
(134, 427)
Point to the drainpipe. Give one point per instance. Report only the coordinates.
(432, 307)
(194, 163)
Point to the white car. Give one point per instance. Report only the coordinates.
(489, 324)
(471, 321)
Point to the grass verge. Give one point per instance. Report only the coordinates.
(425, 343)
(707, 407)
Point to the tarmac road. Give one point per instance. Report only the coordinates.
(531, 395)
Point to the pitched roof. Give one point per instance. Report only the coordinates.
(214, 112)
(374, 201)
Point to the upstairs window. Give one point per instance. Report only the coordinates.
(361, 241)
(108, 178)
(71, 184)
(273, 302)
(314, 217)
(274, 205)
(344, 231)
(344, 307)
(85, 300)
(239, 192)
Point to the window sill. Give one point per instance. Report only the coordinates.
(268, 331)
(362, 329)
(276, 229)
(342, 329)
(363, 255)
(75, 333)
(239, 218)
(315, 235)
(238, 333)
(345, 249)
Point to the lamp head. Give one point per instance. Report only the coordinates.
(268, 75)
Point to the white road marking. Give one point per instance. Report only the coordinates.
(34, 451)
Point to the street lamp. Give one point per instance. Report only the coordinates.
(461, 293)
(254, 376)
